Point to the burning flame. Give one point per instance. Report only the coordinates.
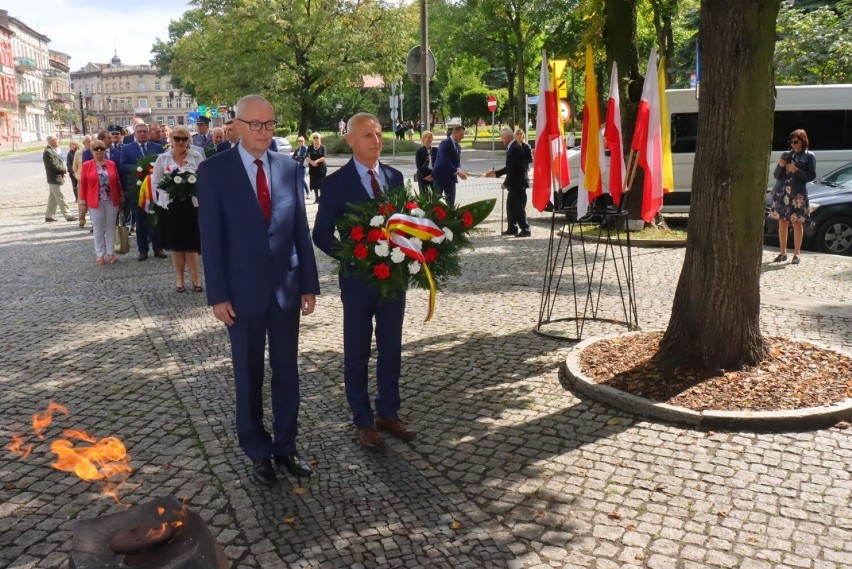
(44, 418)
(157, 533)
(17, 446)
(161, 531)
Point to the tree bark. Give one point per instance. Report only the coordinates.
(715, 321)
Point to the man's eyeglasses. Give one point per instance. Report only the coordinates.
(180, 138)
(258, 125)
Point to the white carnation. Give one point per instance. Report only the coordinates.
(191, 179)
(139, 168)
(417, 212)
(438, 239)
(138, 182)
(397, 256)
(418, 244)
(447, 233)
(178, 180)
(382, 249)
(414, 267)
(377, 221)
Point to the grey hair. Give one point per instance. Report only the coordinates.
(507, 131)
(362, 117)
(248, 99)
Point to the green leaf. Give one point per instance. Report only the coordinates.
(480, 210)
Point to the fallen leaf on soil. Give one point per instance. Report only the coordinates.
(290, 521)
(456, 525)
(794, 375)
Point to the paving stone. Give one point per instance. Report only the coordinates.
(530, 470)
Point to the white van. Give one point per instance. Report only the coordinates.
(824, 111)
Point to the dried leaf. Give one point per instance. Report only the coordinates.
(614, 516)
(455, 524)
(613, 421)
(290, 521)
(299, 490)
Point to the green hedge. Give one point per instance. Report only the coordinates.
(336, 144)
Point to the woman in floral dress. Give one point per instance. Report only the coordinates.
(790, 197)
(179, 219)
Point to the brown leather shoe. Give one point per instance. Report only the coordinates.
(395, 428)
(369, 438)
(48, 219)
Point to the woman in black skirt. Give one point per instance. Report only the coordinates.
(316, 165)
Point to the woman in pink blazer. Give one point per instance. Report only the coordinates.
(100, 191)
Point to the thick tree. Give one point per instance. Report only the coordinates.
(715, 321)
(291, 51)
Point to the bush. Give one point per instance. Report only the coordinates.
(282, 131)
(336, 144)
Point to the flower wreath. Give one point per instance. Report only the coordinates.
(404, 239)
(179, 183)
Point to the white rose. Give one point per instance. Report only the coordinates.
(138, 182)
(397, 256)
(139, 168)
(417, 243)
(414, 267)
(447, 233)
(417, 212)
(377, 221)
(178, 180)
(191, 179)
(382, 249)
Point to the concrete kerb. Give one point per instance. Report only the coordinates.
(780, 421)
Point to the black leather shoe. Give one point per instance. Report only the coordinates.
(523, 234)
(160, 254)
(142, 257)
(295, 465)
(510, 232)
(263, 473)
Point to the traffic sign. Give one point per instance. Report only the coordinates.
(492, 103)
(414, 64)
(565, 111)
(394, 114)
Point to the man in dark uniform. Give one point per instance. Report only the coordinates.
(203, 137)
(517, 182)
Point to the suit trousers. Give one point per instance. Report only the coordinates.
(516, 209)
(449, 191)
(361, 303)
(248, 344)
(145, 231)
(56, 199)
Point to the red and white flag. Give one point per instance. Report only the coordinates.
(591, 151)
(647, 142)
(614, 142)
(550, 163)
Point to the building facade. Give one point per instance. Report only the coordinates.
(32, 59)
(114, 93)
(8, 84)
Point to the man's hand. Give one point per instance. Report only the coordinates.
(224, 312)
(462, 175)
(490, 173)
(309, 302)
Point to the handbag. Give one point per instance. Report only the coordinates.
(122, 237)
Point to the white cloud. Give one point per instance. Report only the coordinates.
(90, 30)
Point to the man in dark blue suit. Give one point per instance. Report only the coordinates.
(232, 137)
(447, 167)
(361, 179)
(130, 154)
(261, 275)
(517, 182)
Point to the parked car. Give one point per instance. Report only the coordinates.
(284, 146)
(830, 198)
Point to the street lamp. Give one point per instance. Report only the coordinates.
(82, 112)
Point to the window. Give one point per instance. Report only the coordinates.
(156, 85)
(169, 104)
(827, 130)
(179, 102)
(171, 121)
(141, 85)
(159, 103)
(127, 85)
(143, 102)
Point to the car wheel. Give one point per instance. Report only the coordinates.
(835, 236)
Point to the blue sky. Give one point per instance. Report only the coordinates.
(90, 30)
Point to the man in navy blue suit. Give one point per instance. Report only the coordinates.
(130, 154)
(447, 167)
(261, 275)
(232, 137)
(361, 179)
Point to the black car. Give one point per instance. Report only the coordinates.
(830, 199)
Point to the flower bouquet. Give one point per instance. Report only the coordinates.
(179, 184)
(404, 239)
(141, 179)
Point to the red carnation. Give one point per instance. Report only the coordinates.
(386, 209)
(357, 233)
(374, 235)
(411, 205)
(361, 251)
(430, 255)
(467, 219)
(440, 212)
(382, 271)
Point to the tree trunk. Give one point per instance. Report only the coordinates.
(715, 322)
(306, 113)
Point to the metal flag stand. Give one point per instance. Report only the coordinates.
(569, 249)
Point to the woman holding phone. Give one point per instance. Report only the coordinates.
(790, 204)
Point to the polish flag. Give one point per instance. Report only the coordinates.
(647, 142)
(591, 150)
(550, 163)
(614, 142)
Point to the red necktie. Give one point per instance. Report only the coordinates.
(263, 192)
(374, 184)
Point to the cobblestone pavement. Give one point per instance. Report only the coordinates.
(534, 475)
